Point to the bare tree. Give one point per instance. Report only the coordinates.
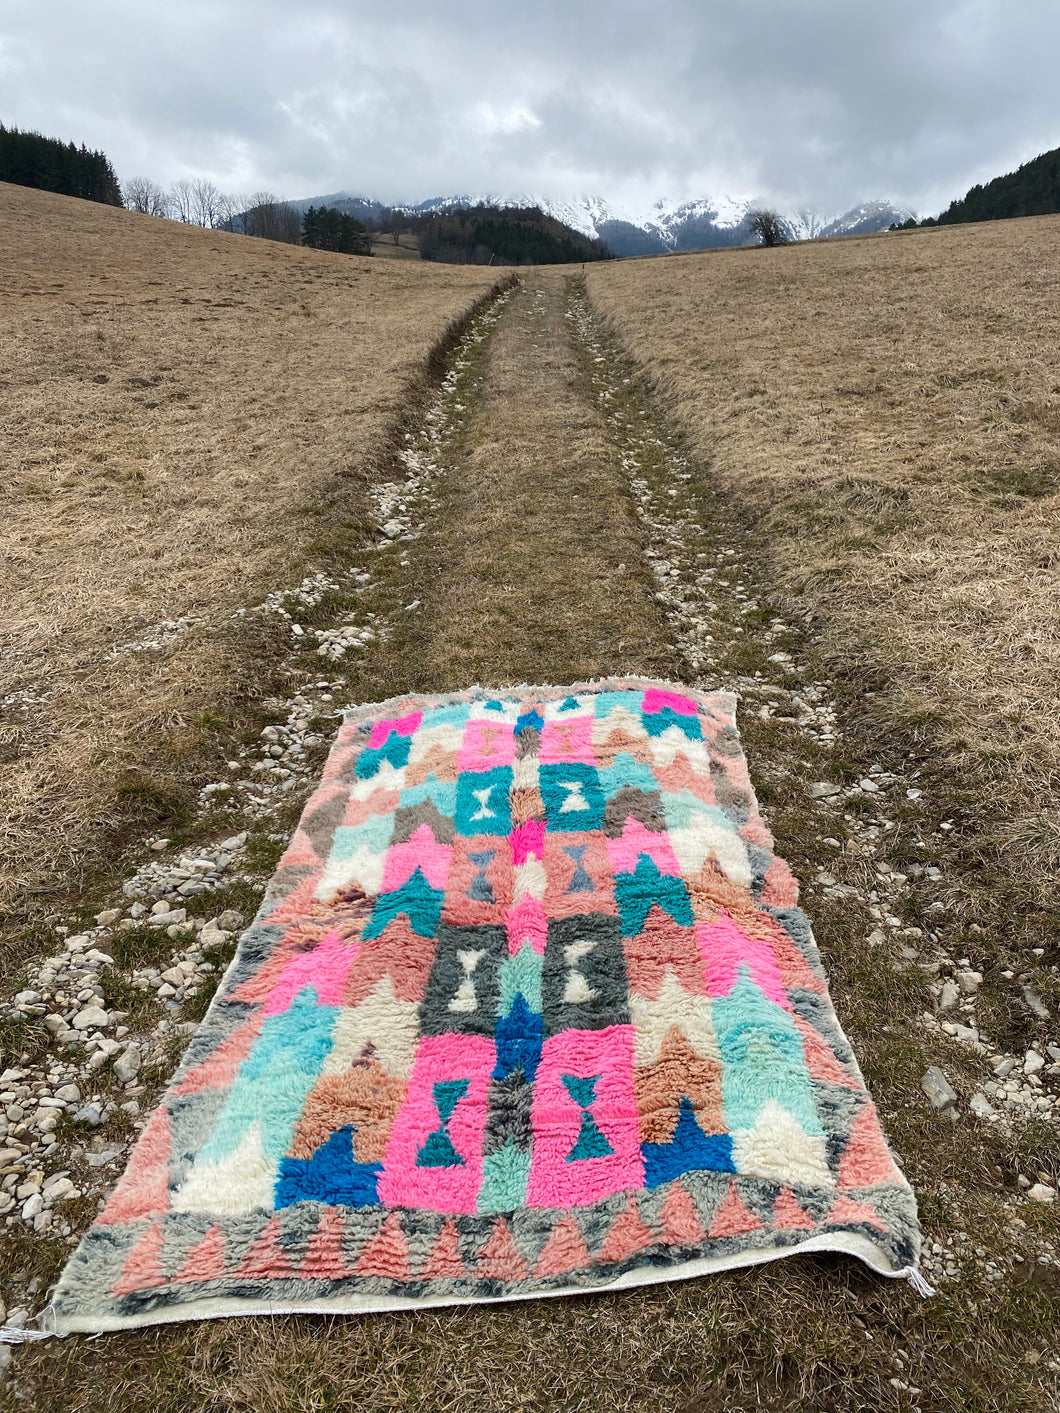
(271, 218)
(768, 227)
(205, 203)
(146, 196)
(182, 202)
(231, 210)
(389, 222)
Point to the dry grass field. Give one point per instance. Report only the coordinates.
(864, 430)
(886, 412)
(185, 415)
(407, 247)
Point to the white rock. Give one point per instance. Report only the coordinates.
(1042, 1192)
(949, 996)
(969, 981)
(108, 917)
(33, 1205)
(938, 1088)
(90, 1018)
(59, 1189)
(127, 1065)
(823, 790)
(1033, 1062)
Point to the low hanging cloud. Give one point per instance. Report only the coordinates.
(817, 103)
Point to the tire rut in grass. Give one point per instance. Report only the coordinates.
(532, 568)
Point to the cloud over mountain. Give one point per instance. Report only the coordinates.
(807, 102)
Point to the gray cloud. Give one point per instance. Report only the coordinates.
(808, 102)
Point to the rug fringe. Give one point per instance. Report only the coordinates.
(11, 1334)
(917, 1281)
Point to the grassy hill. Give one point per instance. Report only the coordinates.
(825, 475)
(887, 411)
(171, 396)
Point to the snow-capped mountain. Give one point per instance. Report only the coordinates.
(654, 229)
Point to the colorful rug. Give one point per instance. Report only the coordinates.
(529, 1009)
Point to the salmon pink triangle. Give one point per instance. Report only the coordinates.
(205, 1260)
(733, 1217)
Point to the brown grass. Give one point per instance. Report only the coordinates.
(519, 576)
(813, 1335)
(887, 411)
(531, 570)
(186, 416)
(407, 247)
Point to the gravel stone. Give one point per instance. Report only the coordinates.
(938, 1089)
(950, 996)
(91, 1018)
(127, 1065)
(1037, 1006)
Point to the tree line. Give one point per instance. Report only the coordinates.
(482, 235)
(198, 202)
(1031, 190)
(28, 159)
(324, 228)
(491, 235)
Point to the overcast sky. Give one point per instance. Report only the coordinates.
(817, 103)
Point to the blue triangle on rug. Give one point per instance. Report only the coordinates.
(690, 1150)
(331, 1175)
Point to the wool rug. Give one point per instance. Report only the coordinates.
(529, 1009)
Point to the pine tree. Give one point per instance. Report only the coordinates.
(30, 159)
(325, 228)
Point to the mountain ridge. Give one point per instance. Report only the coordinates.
(662, 226)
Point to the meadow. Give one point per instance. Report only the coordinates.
(885, 411)
(825, 475)
(184, 413)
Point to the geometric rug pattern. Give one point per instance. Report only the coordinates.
(528, 1009)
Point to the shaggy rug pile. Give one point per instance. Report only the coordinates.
(529, 1009)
